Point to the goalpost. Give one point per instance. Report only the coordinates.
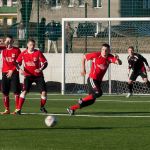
(90, 34)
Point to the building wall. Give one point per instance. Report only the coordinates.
(74, 12)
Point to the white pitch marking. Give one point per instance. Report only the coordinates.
(94, 116)
(99, 100)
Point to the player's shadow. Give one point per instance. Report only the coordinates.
(74, 128)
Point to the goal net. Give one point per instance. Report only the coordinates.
(85, 35)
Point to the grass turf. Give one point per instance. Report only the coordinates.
(123, 132)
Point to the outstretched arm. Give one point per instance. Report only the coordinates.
(146, 63)
(118, 61)
(83, 71)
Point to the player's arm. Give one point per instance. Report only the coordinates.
(43, 61)
(115, 59)
(83, 71)
(146, 63)
(18, 63)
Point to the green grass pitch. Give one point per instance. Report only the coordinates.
(112, 123)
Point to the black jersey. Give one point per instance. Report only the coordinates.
(136, 62)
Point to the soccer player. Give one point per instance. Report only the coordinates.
(34, 63)
(100, 62)
(136, 68)
(10, 75)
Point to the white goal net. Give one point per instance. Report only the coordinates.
(88, 34)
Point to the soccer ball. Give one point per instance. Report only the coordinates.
(50, 121)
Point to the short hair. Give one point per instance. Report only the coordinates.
(106, 45)
(131, 47)
(9, 36)
(31, 40)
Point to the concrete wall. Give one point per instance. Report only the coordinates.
(73, 68)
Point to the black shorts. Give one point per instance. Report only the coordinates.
(40, 82)
(11, 83)
(134, 74)
(94, 86)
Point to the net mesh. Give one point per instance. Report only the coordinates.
(89, 36)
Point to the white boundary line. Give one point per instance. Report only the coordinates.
(93, 116)
(99, 100)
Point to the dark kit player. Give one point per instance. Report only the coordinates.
(136, 68)
(100, 62)
(10, 75)
(34, 63)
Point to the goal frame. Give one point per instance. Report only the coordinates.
(64, 20)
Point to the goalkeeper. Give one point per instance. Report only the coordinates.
(136, 68)
(100, 62)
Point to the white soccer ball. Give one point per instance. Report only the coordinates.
(50, 121)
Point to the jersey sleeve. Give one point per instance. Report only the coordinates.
(143, 59)
(20, 58)
(112, 59)
(42, 57)
(91, 56)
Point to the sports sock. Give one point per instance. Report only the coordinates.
(130, 88)
(6, 101)
(88, 98)
(21, 101)
(74, 107)
(16, 100)
(43, 101)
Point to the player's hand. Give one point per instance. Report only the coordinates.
(37, 70)
(9, 74)
(83, 73)
(116, 56)
(148, 68)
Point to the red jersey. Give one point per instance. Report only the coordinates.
(99, 64)
(9, 57)
(31, 62)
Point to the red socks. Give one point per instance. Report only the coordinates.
(21, 101)
(43, 102)
(16, 100)
(6, 101)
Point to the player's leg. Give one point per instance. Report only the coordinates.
(49, 46)
(143, 74)
(94, 92)
(5, 90)
(42, 86)
(16, 87)
(26, 87)
(132, 77)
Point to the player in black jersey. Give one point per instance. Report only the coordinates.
(138, 66)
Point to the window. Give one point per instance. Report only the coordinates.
(146, 4)
(1, 21)
(9, 3)
(9, 22)
(5, 2)
(14, 2)
(81, 3)
(70, 3)
(1, 3)
(55, 3)
(97, 3)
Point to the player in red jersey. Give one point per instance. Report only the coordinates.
(10, 75)
(34, 63)
(100, 63)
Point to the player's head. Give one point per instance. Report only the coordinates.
(9, 41)
(130, 50)
(105, 50)
(31, 44)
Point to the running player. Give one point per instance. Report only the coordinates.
(100, 63)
